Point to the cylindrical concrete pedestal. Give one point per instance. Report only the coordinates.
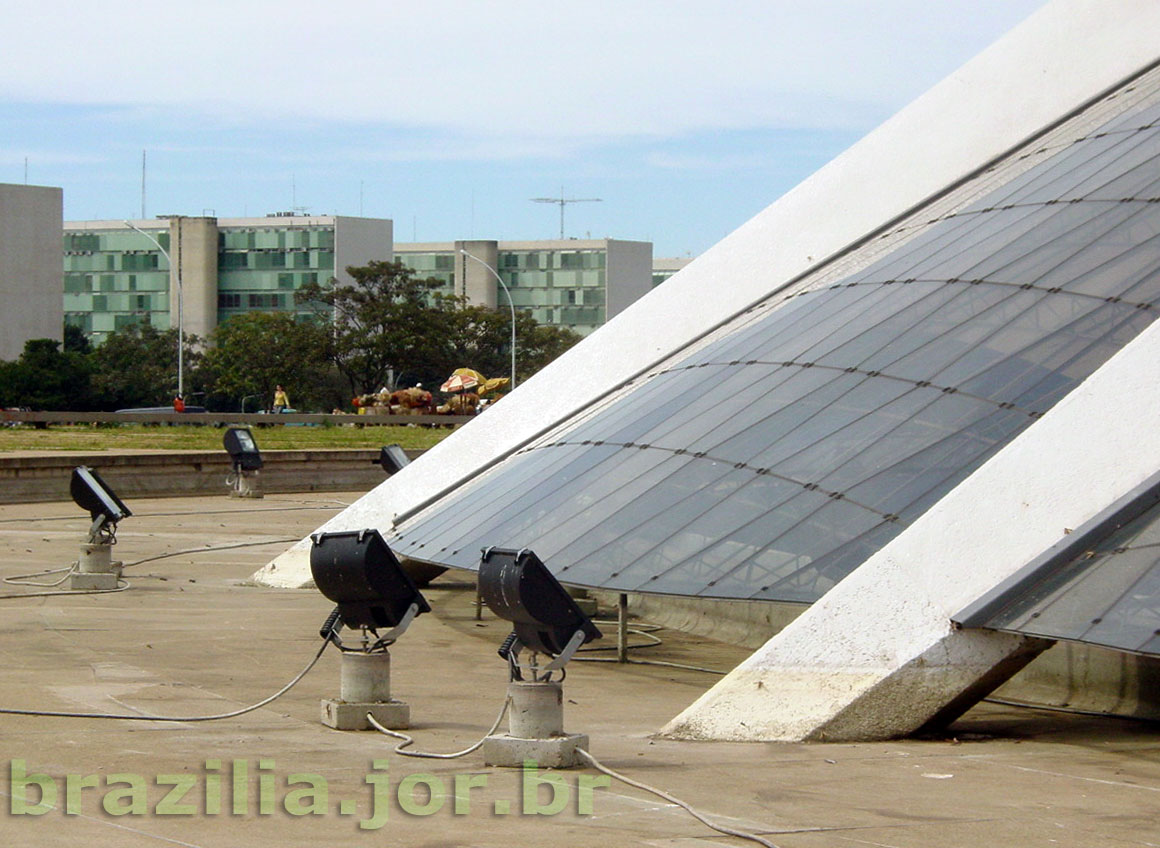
(96, 569)
(96, 559)
(365, 687)
(536, 711)
(366, 678)
(536, 723)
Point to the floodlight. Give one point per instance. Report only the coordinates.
(243, 450)
(95, 569)
(393, 459)
(91, 493)
(357, 571)
(518, 587)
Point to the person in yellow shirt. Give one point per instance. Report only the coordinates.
(281, 399)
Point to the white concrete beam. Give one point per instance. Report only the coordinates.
(877, 657)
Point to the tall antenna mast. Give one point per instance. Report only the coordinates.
(142, 185)
(562, 201)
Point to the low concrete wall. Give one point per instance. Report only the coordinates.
(27, 479)
(1067, 675)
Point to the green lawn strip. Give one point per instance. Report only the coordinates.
(142, 437)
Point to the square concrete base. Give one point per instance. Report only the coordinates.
(556, 752)
(91, 580)
(343, 715)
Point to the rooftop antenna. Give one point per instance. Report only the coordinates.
(142, 185)
(26, 170)
(562, 201)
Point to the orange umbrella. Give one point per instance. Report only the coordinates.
(462, 379)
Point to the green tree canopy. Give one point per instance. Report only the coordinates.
(75, 339)
(253, 352)
(480, 338)
(388, 319)
(137, 366)
(45, 377)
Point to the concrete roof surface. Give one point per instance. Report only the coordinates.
(191, 635)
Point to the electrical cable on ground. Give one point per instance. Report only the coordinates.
(407, 740)
(210, 549)
(122, 585)
(151, 717)
(660, 793)
(650, 662)
(645, 630)
(26, 579)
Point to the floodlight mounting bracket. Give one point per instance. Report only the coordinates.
(334, 624)
(102, 533)
(512, 646)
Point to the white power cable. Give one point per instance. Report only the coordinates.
(210, 550)
(151, 717)
(672, 799)
(407, 740)
(26, 579)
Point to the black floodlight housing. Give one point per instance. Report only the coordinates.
(357, 570)
(518, 587)
(93, 494)
(393, 459)
(240, 445)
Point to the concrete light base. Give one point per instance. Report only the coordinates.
(365, 688)
(555, 752)
(81, 580)
(96, 568)
(536, 730)
(352, 715)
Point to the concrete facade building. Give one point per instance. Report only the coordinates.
(665, 267)
(30, 277)
(114, 275)
(575, 283)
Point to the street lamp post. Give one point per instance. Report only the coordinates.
(511, 305)
(180, 318)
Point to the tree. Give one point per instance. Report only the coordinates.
(388, 319)
(44, 377)
(480, 338)
(137, 366)
(253, 352)
(75, 340)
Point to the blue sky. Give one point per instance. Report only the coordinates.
(685, 117)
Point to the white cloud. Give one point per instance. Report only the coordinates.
(522, 72)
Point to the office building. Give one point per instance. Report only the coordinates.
(30, 275)
(119, 272)
(573, 283)
(665, 267)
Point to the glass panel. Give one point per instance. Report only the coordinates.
(1110, 595)
(773, 460)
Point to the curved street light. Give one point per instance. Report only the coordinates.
(180, 304)
(511, 305)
